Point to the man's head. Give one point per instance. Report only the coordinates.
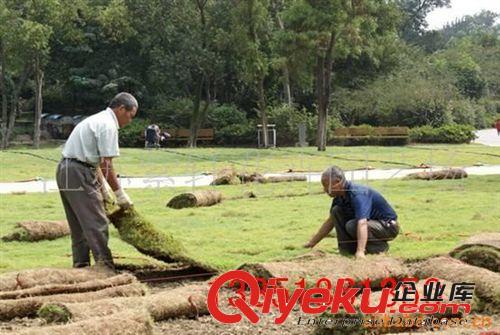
(333, 181)
(125, 107)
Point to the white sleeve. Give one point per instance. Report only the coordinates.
(107, 143)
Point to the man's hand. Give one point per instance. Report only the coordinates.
(122, 199)
(360, 254)
(309, 245)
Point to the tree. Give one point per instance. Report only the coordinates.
(331, 30)
(414, 16)
(251, 30)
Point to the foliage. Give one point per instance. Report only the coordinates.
(452, 133)
(132, 135)
(231, 125)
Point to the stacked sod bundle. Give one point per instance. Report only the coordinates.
(31, 231)
(30, 290)
(481, 250)
(182, 301)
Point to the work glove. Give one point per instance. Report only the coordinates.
(107, 194)
(122, 199)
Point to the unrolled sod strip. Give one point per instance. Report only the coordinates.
(374, 267)
(31, 231)
(91, 285)
(11, 308)
(131, 322)
(481, 250)
(486, 282)
(201, 198)
(141, 233)
(47, 276)
(183, 301)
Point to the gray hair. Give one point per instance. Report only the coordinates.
(333, 173)
(124, 99)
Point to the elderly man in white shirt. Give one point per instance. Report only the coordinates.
(91, 146)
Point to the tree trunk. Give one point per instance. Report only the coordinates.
(286, 72)
(14, 106)
(3, 88)
(38, 102)
(323, 87)
(196, 115)
(262, 110)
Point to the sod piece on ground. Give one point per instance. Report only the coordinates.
(11, 308)
(140, 233)
(486, 281)
(91, 285)
(226, 176)
(438, 175)
(31, 231)
(195, 199)
(481, 250)
(29, 278)
(183, 301)
(130, 322)
(283, 179)
(374, 267)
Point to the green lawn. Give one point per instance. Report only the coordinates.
(434, 216)
(25, 163)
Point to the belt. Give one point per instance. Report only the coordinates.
(90, 166)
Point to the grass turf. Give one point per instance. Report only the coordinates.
(25, 163)
(435, 216)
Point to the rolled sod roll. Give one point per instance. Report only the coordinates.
(453, 270)
(438, 175)
(31, 231)
(47, 276)
(49, 289)
(481, 250)
(130, 322)
(195, 199)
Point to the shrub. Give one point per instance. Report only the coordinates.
(231, 125)
(452, 133)
(132, 135)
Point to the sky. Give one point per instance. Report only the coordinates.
(459, 8)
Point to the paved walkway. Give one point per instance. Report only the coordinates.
(43, 186)
(488, 137)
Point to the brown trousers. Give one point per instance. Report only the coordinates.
(82, 201)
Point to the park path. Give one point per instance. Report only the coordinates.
(44, 186)
(488, 137)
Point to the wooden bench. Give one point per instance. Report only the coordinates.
(182, 134)
(376, 132)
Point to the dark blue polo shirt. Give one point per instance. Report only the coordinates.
(363, 202)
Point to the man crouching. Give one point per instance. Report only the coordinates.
(363, 219)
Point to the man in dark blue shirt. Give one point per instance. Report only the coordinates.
(363, 219)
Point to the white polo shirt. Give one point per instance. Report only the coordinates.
(93, 138)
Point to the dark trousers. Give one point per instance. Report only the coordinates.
(346, 228)
(82, 201)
